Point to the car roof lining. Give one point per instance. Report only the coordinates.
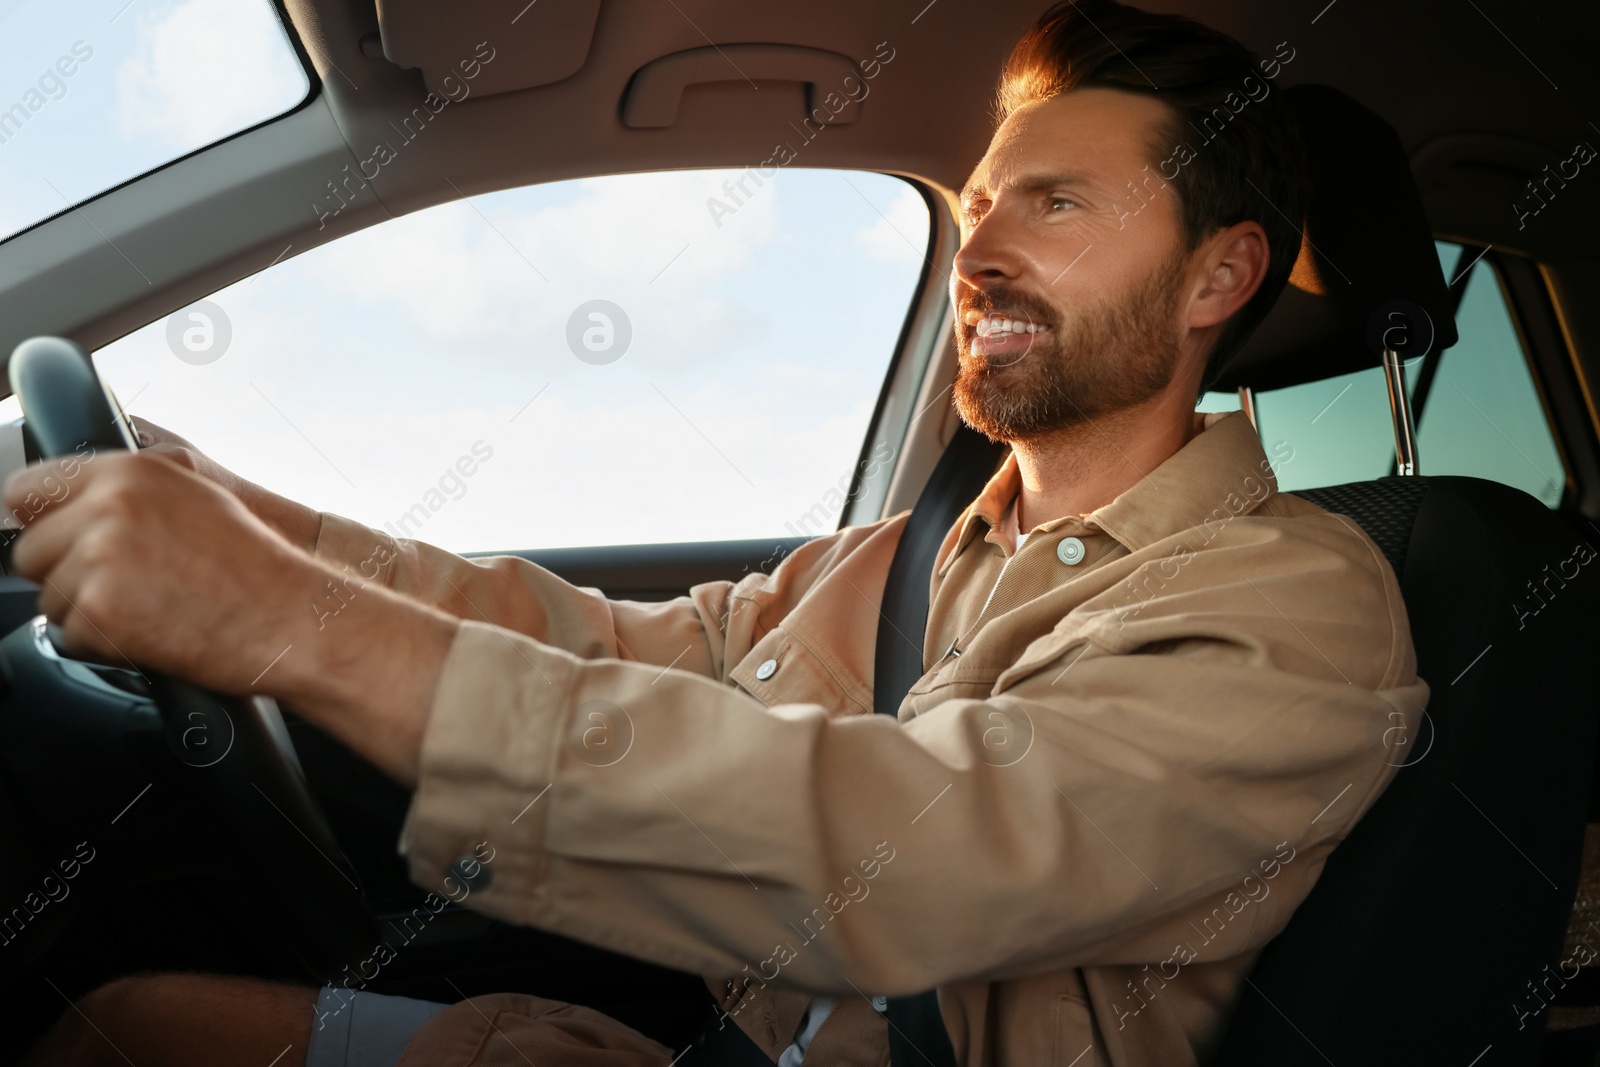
(1456, 83)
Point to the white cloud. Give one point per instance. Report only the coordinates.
(202, 69)
(466, 276)
(900, 234)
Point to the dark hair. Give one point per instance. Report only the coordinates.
(1199, 73)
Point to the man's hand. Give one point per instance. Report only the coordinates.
(298, 524)
(142, 561)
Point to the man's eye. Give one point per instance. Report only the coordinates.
(974, 213)
(1061, 203)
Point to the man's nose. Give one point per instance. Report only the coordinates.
(986, 256)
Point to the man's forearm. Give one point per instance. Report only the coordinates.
(296, 522)
(367, 675)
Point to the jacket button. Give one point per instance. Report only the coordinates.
(1070, 551)
(767, 669)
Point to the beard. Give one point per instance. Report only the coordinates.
(1114, 355)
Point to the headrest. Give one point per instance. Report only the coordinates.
(1366, 246)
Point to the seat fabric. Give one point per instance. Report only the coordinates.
(1433, 921)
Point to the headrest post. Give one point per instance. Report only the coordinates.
(1247, 403)
(1405, 436)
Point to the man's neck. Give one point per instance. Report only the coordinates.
(1080, 468)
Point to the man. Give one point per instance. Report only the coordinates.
(1156, 690)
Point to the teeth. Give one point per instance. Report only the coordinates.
(988, 325)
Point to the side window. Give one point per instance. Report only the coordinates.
(1482, 413)
(1478, 413)
(639, 358)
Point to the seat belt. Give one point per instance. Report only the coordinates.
(969, 460)
(917, 1034)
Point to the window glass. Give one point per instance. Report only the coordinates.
(1218, 402)
(1339, 429)
(1483, 415)
(640, 358)
(97, 93)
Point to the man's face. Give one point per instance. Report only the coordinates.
(1068, 284)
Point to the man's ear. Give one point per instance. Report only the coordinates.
(1231, 264)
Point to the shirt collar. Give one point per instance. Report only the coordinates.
(1222, 471)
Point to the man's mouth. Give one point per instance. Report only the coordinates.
(1001, 332)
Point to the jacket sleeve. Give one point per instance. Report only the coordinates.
(1169, 759)
(688, 633)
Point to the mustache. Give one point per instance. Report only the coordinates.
(1006, 298)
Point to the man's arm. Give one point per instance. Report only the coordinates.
(687, 632)
(503, 590)
(1184, 763)
(1172, 758)
(143, 561)
(292, 520)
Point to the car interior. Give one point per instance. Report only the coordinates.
(1450, 217)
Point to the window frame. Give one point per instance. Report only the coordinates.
(922, 332)
(1552, 366)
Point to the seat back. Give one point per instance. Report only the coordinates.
(1450, 898)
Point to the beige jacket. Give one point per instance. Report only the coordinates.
(1113, 785)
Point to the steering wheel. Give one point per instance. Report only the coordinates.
(235, 750)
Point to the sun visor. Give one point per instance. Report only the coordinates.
(499, 46)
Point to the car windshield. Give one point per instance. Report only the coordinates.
(100, 91)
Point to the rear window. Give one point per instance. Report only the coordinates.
(95, 93)
(1480, 415)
